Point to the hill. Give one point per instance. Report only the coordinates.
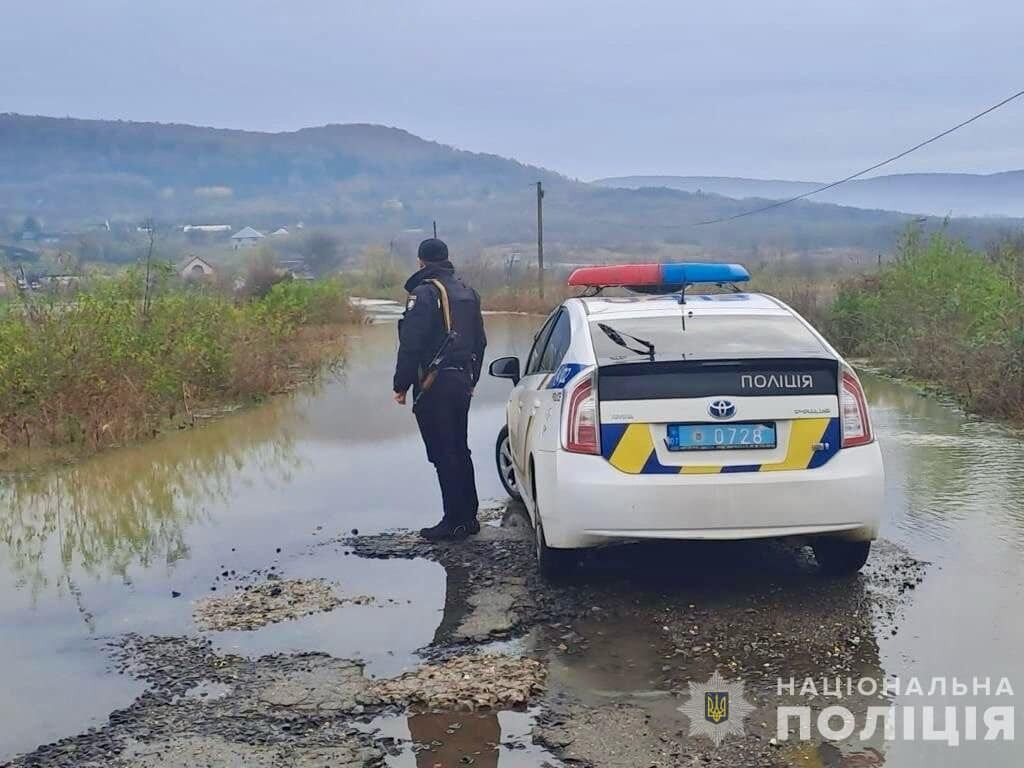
(936, 194)
(371, 182)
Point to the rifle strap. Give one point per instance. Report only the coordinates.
(446, 309)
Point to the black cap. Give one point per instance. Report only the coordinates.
(433, 250)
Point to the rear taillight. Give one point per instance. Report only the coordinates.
(581, 419)
(853, 409)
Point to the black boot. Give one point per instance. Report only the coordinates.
(445, 531)
(472, 526)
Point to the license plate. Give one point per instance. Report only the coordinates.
(720, 437)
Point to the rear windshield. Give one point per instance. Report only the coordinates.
(705, 337)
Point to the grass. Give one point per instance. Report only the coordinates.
(111, 364)
(944, 313)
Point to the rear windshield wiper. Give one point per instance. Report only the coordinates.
(617, 337)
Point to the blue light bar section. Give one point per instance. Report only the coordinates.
(688, 273)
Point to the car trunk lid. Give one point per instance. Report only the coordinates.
(795, 396)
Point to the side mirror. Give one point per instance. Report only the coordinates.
(505, 368)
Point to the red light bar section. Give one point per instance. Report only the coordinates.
(616, 275)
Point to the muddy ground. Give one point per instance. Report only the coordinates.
(618, 648)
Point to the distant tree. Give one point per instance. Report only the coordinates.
(262, 273)
(322, 252)
(150, 229)
(31, 224)
(379, 266)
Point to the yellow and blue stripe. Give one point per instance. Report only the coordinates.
(629, 448)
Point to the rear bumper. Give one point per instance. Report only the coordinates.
(585, 501)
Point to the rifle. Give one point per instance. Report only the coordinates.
(430, 374)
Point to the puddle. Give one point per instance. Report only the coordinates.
(483, 739)
(379, 311)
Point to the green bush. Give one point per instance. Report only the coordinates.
(304, 302)
(945, 312)
(110, 362)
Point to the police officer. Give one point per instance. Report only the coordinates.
(442, 313)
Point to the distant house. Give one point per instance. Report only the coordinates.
(246, 238)
(196, 268)
(59, 281)
(279, 232)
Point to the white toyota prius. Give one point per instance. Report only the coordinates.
(671, 415)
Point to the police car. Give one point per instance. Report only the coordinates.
(671, 415)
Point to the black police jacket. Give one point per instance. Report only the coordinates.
(421, 331)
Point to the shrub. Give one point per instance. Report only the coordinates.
(944, 312)
(109, 365)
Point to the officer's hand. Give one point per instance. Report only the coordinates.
(400, 398)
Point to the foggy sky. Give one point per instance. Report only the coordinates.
(800, 90)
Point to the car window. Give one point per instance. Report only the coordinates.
(533, 360)
(704, 337)
(558, 344)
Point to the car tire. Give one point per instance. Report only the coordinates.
(503, 461)
(838, 557)
(555, 565)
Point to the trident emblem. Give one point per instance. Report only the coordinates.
(716, 706)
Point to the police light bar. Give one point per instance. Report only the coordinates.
(672, 277)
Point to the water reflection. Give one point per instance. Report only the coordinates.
(449, 739)
(944, 469)
(457, 739)
(131, 506)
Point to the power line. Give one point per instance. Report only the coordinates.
(851, 177)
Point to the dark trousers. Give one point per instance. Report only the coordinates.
(443, 417)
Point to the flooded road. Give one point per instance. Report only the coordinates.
(123, 543)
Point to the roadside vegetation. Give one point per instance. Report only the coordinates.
(945, 313)
(114, 360)
(501, 289)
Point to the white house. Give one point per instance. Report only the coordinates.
(206, 228)
(279, 232)
(196, 268)
(246, 238)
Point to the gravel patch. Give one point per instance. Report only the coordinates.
(269, 602)
(469, 682)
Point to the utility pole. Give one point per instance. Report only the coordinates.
(540, 240)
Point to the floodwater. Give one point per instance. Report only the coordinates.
(95, 550)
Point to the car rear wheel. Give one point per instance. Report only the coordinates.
(503, 459)
(838, 557)
(556, 565)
